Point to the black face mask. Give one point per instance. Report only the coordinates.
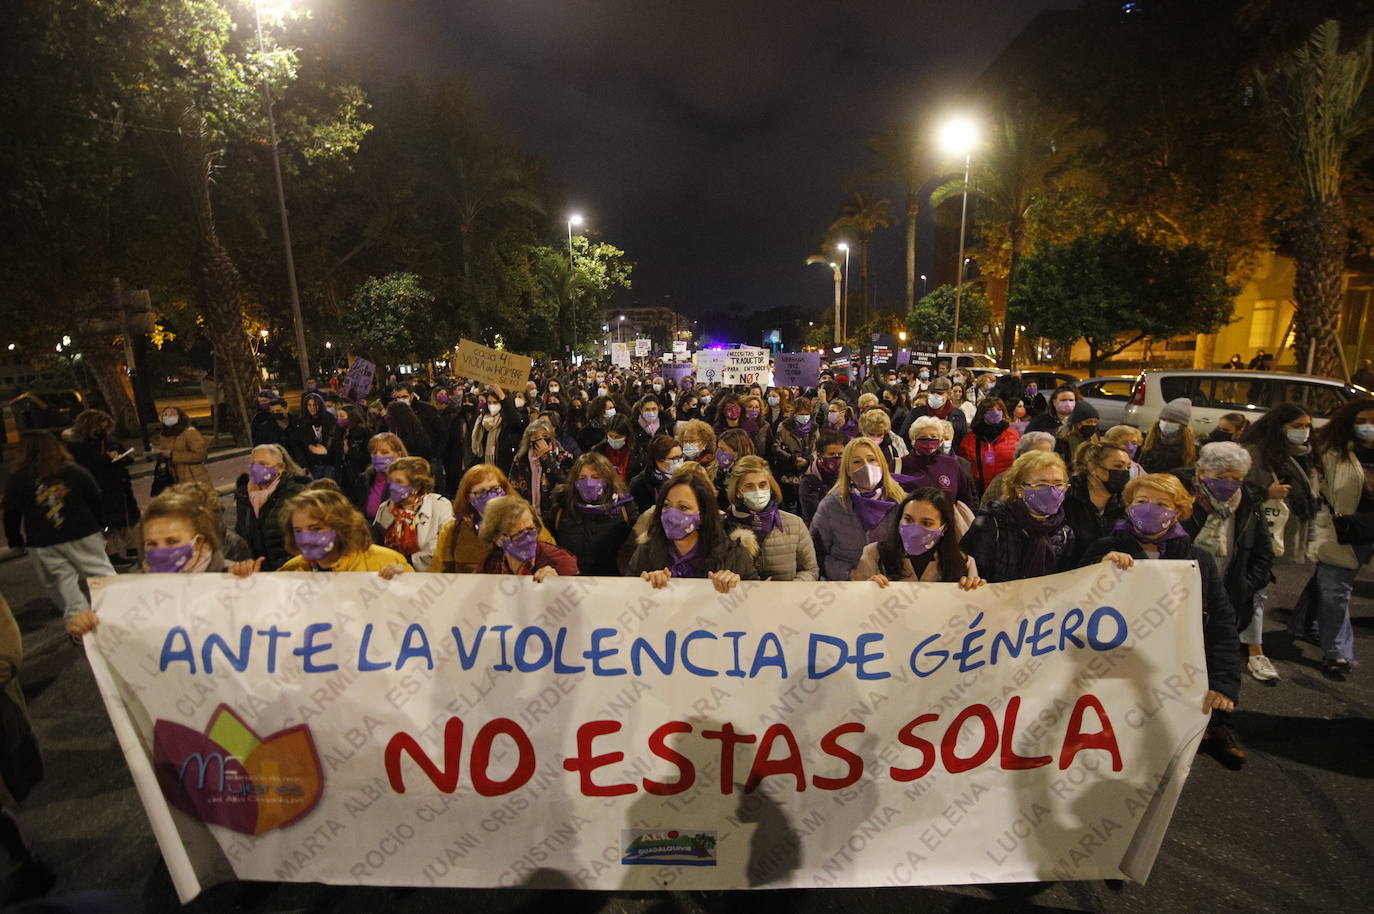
(1116, 481)
(1220, 434)
(279, 417)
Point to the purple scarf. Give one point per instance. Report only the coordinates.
(688, 565)
(871, 508)
(604, 510)
(761, 523)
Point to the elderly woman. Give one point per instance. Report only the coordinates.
(698, 443)
(459, 548)
(786, 552)
(1027, 535)
(540, 465)
(928, 465)
(852, 515)
(1228, 521)
(410, 519)
(1030, 441)
(510, 532)
(876, 426)
(272, 480)
(1156, 506)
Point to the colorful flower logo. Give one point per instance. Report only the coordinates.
(230, 776)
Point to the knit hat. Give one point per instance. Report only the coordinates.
(1083, 412)
(1178, 410)
(940, 383)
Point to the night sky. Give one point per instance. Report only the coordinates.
(713, 141)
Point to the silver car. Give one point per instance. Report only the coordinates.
(1109, 396)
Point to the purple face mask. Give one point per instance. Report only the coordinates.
(1222, 489)
(590, 488)
(678, 524)
(993, 416)
(316, 544)
(1044, 500)
(168, 559)
(479, 502)
(732, 412)
(400, 491)
(523, 546)
(342, 421)
(1151, 520)
(1065, 407)
(918, 539)
(725, 459)
(262, 475)
(926, 446)
(380, 463)
(1132, 448)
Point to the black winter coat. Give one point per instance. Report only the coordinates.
(596, 541)
(1082, 515)
(1219, 633)
(118, 506)
(644, 489)
(1252, 550)
(732, 552)
(997, 543)
(263, 531)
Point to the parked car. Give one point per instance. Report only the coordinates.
(1108, 396)
(1215, 393)
(1047, 381)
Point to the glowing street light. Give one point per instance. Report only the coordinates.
(845, 247)
(958, 136)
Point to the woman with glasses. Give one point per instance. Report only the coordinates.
(1027, 535)
(459, 548)
(540, 466)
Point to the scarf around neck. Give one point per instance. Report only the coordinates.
(606, 509)
(870, 508)
(760, 522)
(1040, 557)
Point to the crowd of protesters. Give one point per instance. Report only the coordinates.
(920, 474)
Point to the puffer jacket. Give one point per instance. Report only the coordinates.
(813, 488)
(788, 554)
(988, 460)
(1220, 638)
(996, 542)
(840, 537)
(733, 552)
(1252, 548)
(263, 531)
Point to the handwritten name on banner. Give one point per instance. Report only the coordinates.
(470, 730)
(491, 366)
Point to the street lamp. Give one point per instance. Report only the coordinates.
(958, 136)
(622, 328)
(844, 247)
(923, 285)
(281, 207)
(574, 219)
(815, 258)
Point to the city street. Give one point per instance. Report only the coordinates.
(1291, 831)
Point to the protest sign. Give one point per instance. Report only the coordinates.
(491, 366)
(485, 730)
(642, 348)
(796, 369)
(924, 352)
(746, 366)
(620, 354)
(676, 371)
(679, 346)
(710, 365)
(357, 382)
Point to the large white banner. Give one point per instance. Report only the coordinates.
(468, 730)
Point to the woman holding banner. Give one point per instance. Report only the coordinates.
(786, 552)
(854, 513)
(922, 546)
(510, 532)
(1156, 504)
(324, 532)
(1025, 536)
(688, 539)
(459, 549)
(592, 516)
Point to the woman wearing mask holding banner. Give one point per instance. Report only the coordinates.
(324, 532)
(853, 514)
(687, 539)
(459, 549)
(410, 519)
(1026, 536)
(663, 456)
(593, 515)
(922, 546)
(511, 534)
(786, 552)
(1156, 504)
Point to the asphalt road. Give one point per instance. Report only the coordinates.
(1290, 832)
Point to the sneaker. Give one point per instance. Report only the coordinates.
(1336, 668)
(1261, 668)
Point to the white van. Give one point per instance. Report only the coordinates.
(1216, 392)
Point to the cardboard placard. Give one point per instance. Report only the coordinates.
(491, 366)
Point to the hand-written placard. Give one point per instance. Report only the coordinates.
(620, 354)
(642, 348)
(676, 371)
(746, 366)
(358, 382)
(491, 366)
(710, 366)
(679, 346)
(796, 369)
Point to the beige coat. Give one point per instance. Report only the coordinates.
(869, 566)
(788, 554)
(1343, 483)
(188, 451)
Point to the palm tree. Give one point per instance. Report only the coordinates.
(863, 214)
(1023, 159)
(902, 163)
(1315, 96)
(564, 288)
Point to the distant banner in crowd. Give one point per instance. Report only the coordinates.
(357, 383)
(620, 354)
(710, 365)
(642, 348)
(676, 371)
(796, 369)
(496, 367)
(746, 366)
(476, 730)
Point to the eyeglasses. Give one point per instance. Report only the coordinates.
(487, 491)
(1048, 485)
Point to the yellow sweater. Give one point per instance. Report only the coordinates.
(374, 558)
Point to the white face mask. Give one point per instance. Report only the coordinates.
(1364, 431)
(616, 443)
(649, 415)
(601, 392)
(946, 446)
(609, 413)
(758, 499)
(519, 402)
(493, 408)
(1168, 429)
(169, 421)
(1298, 435)
(924, 375)
(658, 388)
(867, 476)
(935, 401)
(553, 388)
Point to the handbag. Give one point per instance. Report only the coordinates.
(1351, 529)
(1276, 512)
(163, 477)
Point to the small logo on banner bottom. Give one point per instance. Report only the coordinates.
(660, 846)
(230, 776)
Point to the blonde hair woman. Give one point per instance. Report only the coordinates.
(853, 514)
(786, 552)
(876, 425)
(1027, 535)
